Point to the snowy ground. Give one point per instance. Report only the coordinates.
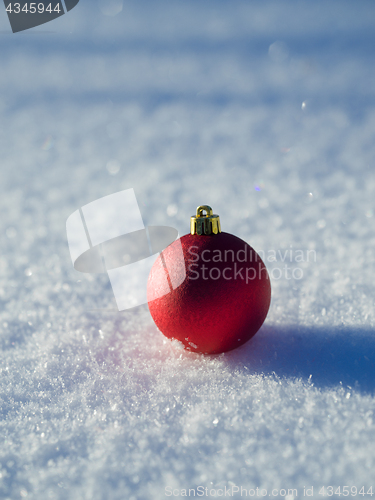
(265, 111)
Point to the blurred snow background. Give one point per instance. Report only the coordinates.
(265, 111)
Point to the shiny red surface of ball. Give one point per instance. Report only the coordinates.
(221, 302)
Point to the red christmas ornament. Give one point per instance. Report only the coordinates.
(225, 290)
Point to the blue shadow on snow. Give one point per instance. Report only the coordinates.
(327, 355)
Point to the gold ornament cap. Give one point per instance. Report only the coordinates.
(205, 224)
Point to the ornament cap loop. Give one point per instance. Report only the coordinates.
(205, 224)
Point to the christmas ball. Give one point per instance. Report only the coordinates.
(223, 293)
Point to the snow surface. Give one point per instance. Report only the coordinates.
(265, 111)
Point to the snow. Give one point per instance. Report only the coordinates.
(263, 110)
